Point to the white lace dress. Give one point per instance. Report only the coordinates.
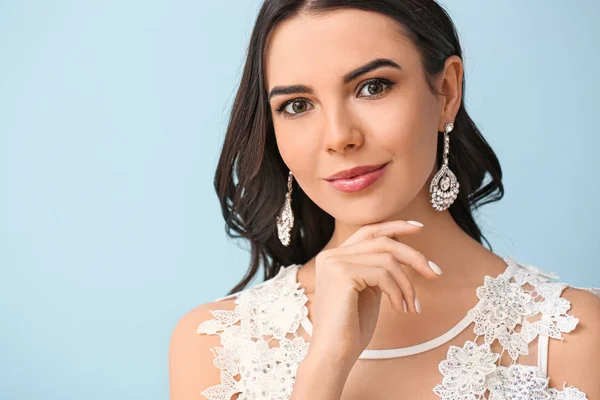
(275, 309)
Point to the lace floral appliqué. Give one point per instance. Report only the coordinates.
(465, 370)
(270, 310)
(471, 371)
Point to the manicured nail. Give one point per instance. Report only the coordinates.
(417, 305)
(435, 268)
(404, 305)
(416, 223)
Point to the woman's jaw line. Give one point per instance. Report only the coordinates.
(419, 209)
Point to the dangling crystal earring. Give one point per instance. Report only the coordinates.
(285, 219)
(444, 186)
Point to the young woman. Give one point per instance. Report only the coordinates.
(352, 167)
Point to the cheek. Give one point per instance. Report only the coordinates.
(302, 151)
(298, 149)
(406, 128)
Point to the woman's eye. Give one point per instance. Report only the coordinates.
(293, 107)
(375, 87)
(372, 88)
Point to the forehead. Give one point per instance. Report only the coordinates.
(306, 48)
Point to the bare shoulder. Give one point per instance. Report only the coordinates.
(191, 368)
(576, 359)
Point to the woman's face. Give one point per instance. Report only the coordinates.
(386, 115)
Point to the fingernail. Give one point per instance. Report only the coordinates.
(417, 305)
(416, 223)
(435, 268)
(404, 305)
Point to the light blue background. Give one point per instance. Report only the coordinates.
(112, 115)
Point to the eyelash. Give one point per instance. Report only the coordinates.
(387, 82)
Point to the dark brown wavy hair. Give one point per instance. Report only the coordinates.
(251, 177)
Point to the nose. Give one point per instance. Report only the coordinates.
(340, 133)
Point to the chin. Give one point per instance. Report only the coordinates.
(367, 210)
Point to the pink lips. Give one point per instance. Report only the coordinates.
(356, 179)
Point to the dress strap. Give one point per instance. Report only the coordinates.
(543, 351)
(543, 341)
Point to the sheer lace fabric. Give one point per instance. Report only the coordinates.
(260, 347)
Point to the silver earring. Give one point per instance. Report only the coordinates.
(285, 219)
(444, 186)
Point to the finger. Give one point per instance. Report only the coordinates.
(402, 252)
(380, 277)
(389, 262)
(388, 228)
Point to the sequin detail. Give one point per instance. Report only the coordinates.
(527, 382)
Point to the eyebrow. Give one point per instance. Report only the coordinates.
(349, 77)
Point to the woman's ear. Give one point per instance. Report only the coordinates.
(451, 89)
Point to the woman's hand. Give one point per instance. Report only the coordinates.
(350, 280)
